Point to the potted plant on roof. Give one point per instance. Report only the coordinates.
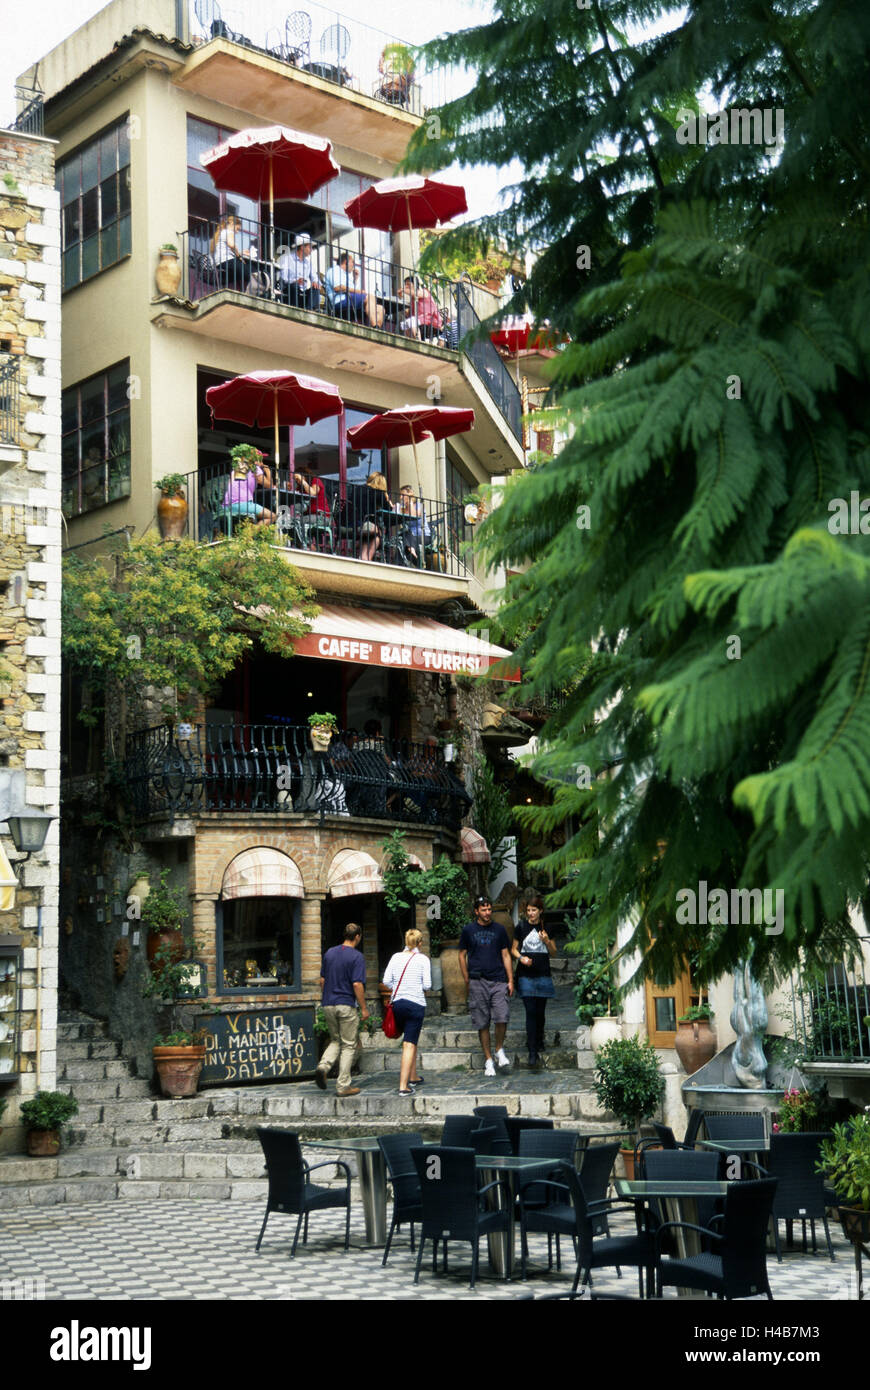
(44, 1117)
(845, 1160)
(162, 914)
(322, 727)
(172, 507)
(168, 273)
(629, 1083)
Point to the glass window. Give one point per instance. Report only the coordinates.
(259, 943)
(95, 444)
(96, 198)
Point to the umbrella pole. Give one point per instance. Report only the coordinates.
(277, 445)
(272, 275)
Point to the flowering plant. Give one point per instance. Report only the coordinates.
(797, 1112)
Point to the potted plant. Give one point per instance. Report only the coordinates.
(695, 1041)
(163, 913)
(246, 458)
(179, 1058)
(172, 507)
(168, 273)
(44, 1117)
(322, 727)
(845, 1160)
(629, 1083)
(798, 1113)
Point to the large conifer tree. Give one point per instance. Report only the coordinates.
(717, 392)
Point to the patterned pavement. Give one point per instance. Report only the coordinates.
(156, 1250)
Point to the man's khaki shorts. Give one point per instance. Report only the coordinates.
(488, 1001)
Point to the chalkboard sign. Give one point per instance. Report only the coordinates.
(267, 1044)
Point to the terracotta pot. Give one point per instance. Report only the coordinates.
(856, 1224)
(455, 988)
(171, 516)
(168, 273)
(173, 939)
(628, 1163)
(694, 1044)
(43, 1143)
(604, 1029)
(179, 1069)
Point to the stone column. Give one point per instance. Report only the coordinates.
(311, 945)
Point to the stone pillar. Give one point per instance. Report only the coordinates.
(202, 912)
(311, 946)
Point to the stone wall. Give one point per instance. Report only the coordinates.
(30, 544)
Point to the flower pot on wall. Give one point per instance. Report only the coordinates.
(694, 1044)
(171, 516)
(168, 273)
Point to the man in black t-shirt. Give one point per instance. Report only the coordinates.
(485, 962)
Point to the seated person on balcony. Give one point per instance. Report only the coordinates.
(396, 68)
(307, 481)
(232, 260)
(344, 296)
(249, 472)
(371, 501)
(423, 319)
(301, 281)
(417, 528)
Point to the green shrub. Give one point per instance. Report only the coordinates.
(49, 1110)
(628, 1080)
(845, 1159)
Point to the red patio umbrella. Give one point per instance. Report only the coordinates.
(271, 162)
(394, 428)
(394, 205)
(276, 398)
(513, 334)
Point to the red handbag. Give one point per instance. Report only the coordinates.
(389, 1024)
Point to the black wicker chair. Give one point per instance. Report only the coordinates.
(724, 1128)
(458, 1132)
(688, 1165)
(397, 1150)
(736, 1264)
(453, 1205)
(560, 1145)
(515, 1124)
(494, 1116)
(800, 1195)
(568, 1213)
(291, 1192)
(595, 1171)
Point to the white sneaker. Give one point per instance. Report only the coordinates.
(489, 1069)
(502, 1058)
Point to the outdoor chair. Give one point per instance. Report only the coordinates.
(595, 1171)
(397, 1150)
(736, 1264)
(568, 1213)
(559, 1145)
(723, 1128)
(458, 1129)
(453, 1205)
(800, 1195)
(215, 515)
(334, 48)
(297, 38)
(515, 1124)
(684, 1165)
(495, 1116)
(696, 1118)
(290, 1190)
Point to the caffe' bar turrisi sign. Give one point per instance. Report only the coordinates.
(261, 1046)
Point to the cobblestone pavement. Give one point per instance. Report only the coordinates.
(205, 1250)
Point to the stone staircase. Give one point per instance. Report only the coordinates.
(127, 1143)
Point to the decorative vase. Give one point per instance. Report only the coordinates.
(694, 1044)
(168, 273)
(604, 1029)
(455, 988)
(171, 516)
(321, 737)
(178, 1069)
(43, 1143)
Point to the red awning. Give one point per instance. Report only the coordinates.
(393, 640)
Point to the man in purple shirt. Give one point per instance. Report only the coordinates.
(342, 985)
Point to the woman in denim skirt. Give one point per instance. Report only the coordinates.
(532, 949)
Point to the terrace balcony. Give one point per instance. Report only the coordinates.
(272, 769)
(829, 1022)
(375, 338)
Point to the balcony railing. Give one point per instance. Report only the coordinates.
(10, 395)
(274, 768)
(30, 118)
(331, 46)
(357, 522)
(828, 1018)
(489, 366)
(372, 293)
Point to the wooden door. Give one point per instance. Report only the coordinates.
(664, 1005)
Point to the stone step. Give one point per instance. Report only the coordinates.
(78, 1049)
(131, 1088)
(92, 1069)
(70, 1029)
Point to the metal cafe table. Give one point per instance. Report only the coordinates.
(373, 1189)
(679, 1202)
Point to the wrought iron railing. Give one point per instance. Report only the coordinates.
(273, 767)
(354, 521)
(10, 398)
(372, 291)
(489, 366)
(31, 115)
(331, 46)
(829, 1016)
